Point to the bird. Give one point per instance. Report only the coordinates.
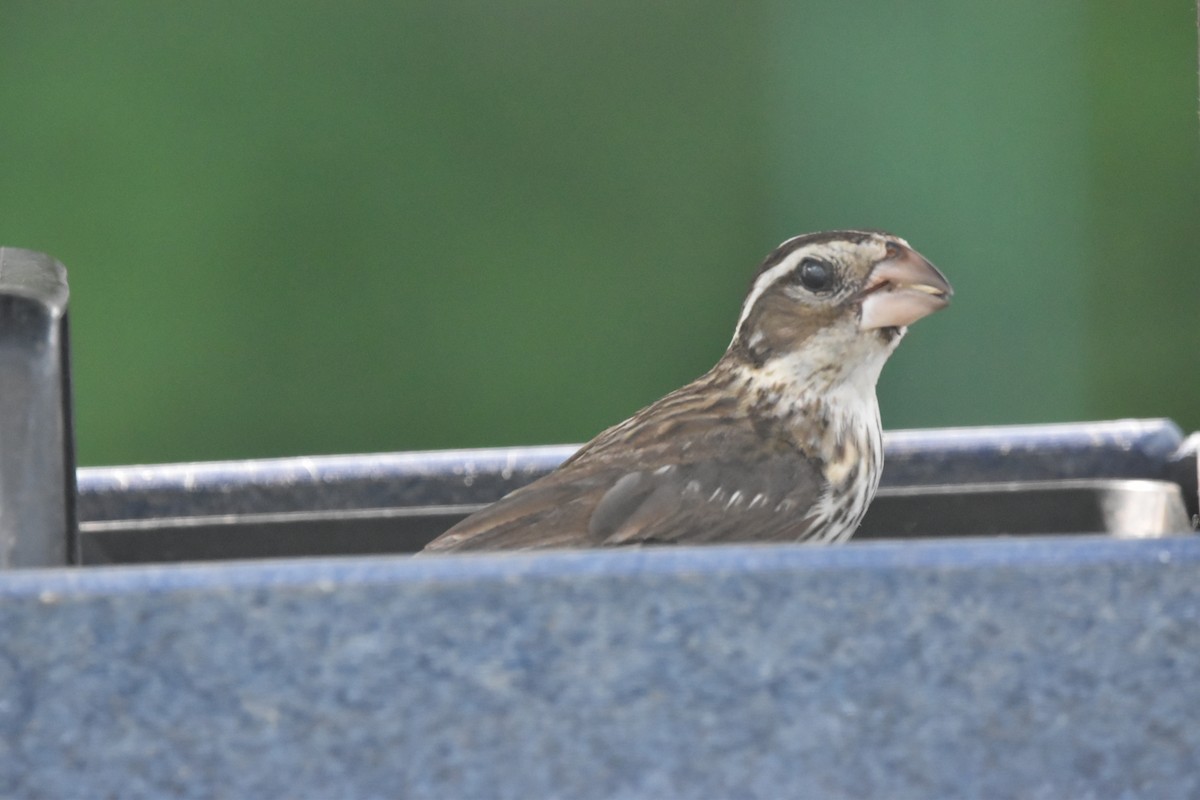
(780, 441)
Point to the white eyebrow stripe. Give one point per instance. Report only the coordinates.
(762, 283)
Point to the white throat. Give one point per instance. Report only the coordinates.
(808, 376)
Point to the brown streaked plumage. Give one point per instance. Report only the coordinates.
(780, 441)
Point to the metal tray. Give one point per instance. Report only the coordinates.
(1119, 508)
(1126, 509)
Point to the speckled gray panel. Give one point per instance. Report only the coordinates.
(1036, 668)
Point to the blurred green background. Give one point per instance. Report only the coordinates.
(308, 227)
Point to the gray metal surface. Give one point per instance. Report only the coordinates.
(37, 468)
(1127, 509)
(396, 502)
(1117, 449)
(287, 534)
(1032, 668)
(1117, 507)
(1184, 468)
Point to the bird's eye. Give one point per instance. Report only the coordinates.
(816, 276)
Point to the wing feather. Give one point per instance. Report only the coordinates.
(717, 476)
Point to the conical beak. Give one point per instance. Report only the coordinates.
(902, 289)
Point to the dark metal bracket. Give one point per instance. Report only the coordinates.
(37, 454)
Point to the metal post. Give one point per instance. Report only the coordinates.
(37, 459)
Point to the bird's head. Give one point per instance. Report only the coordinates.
(831, 307)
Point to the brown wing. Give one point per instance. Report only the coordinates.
(680, 471)
(550, 512)
(675, 503)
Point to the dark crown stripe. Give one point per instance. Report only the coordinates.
(796, 242)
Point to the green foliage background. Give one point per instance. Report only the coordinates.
(304, 227)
